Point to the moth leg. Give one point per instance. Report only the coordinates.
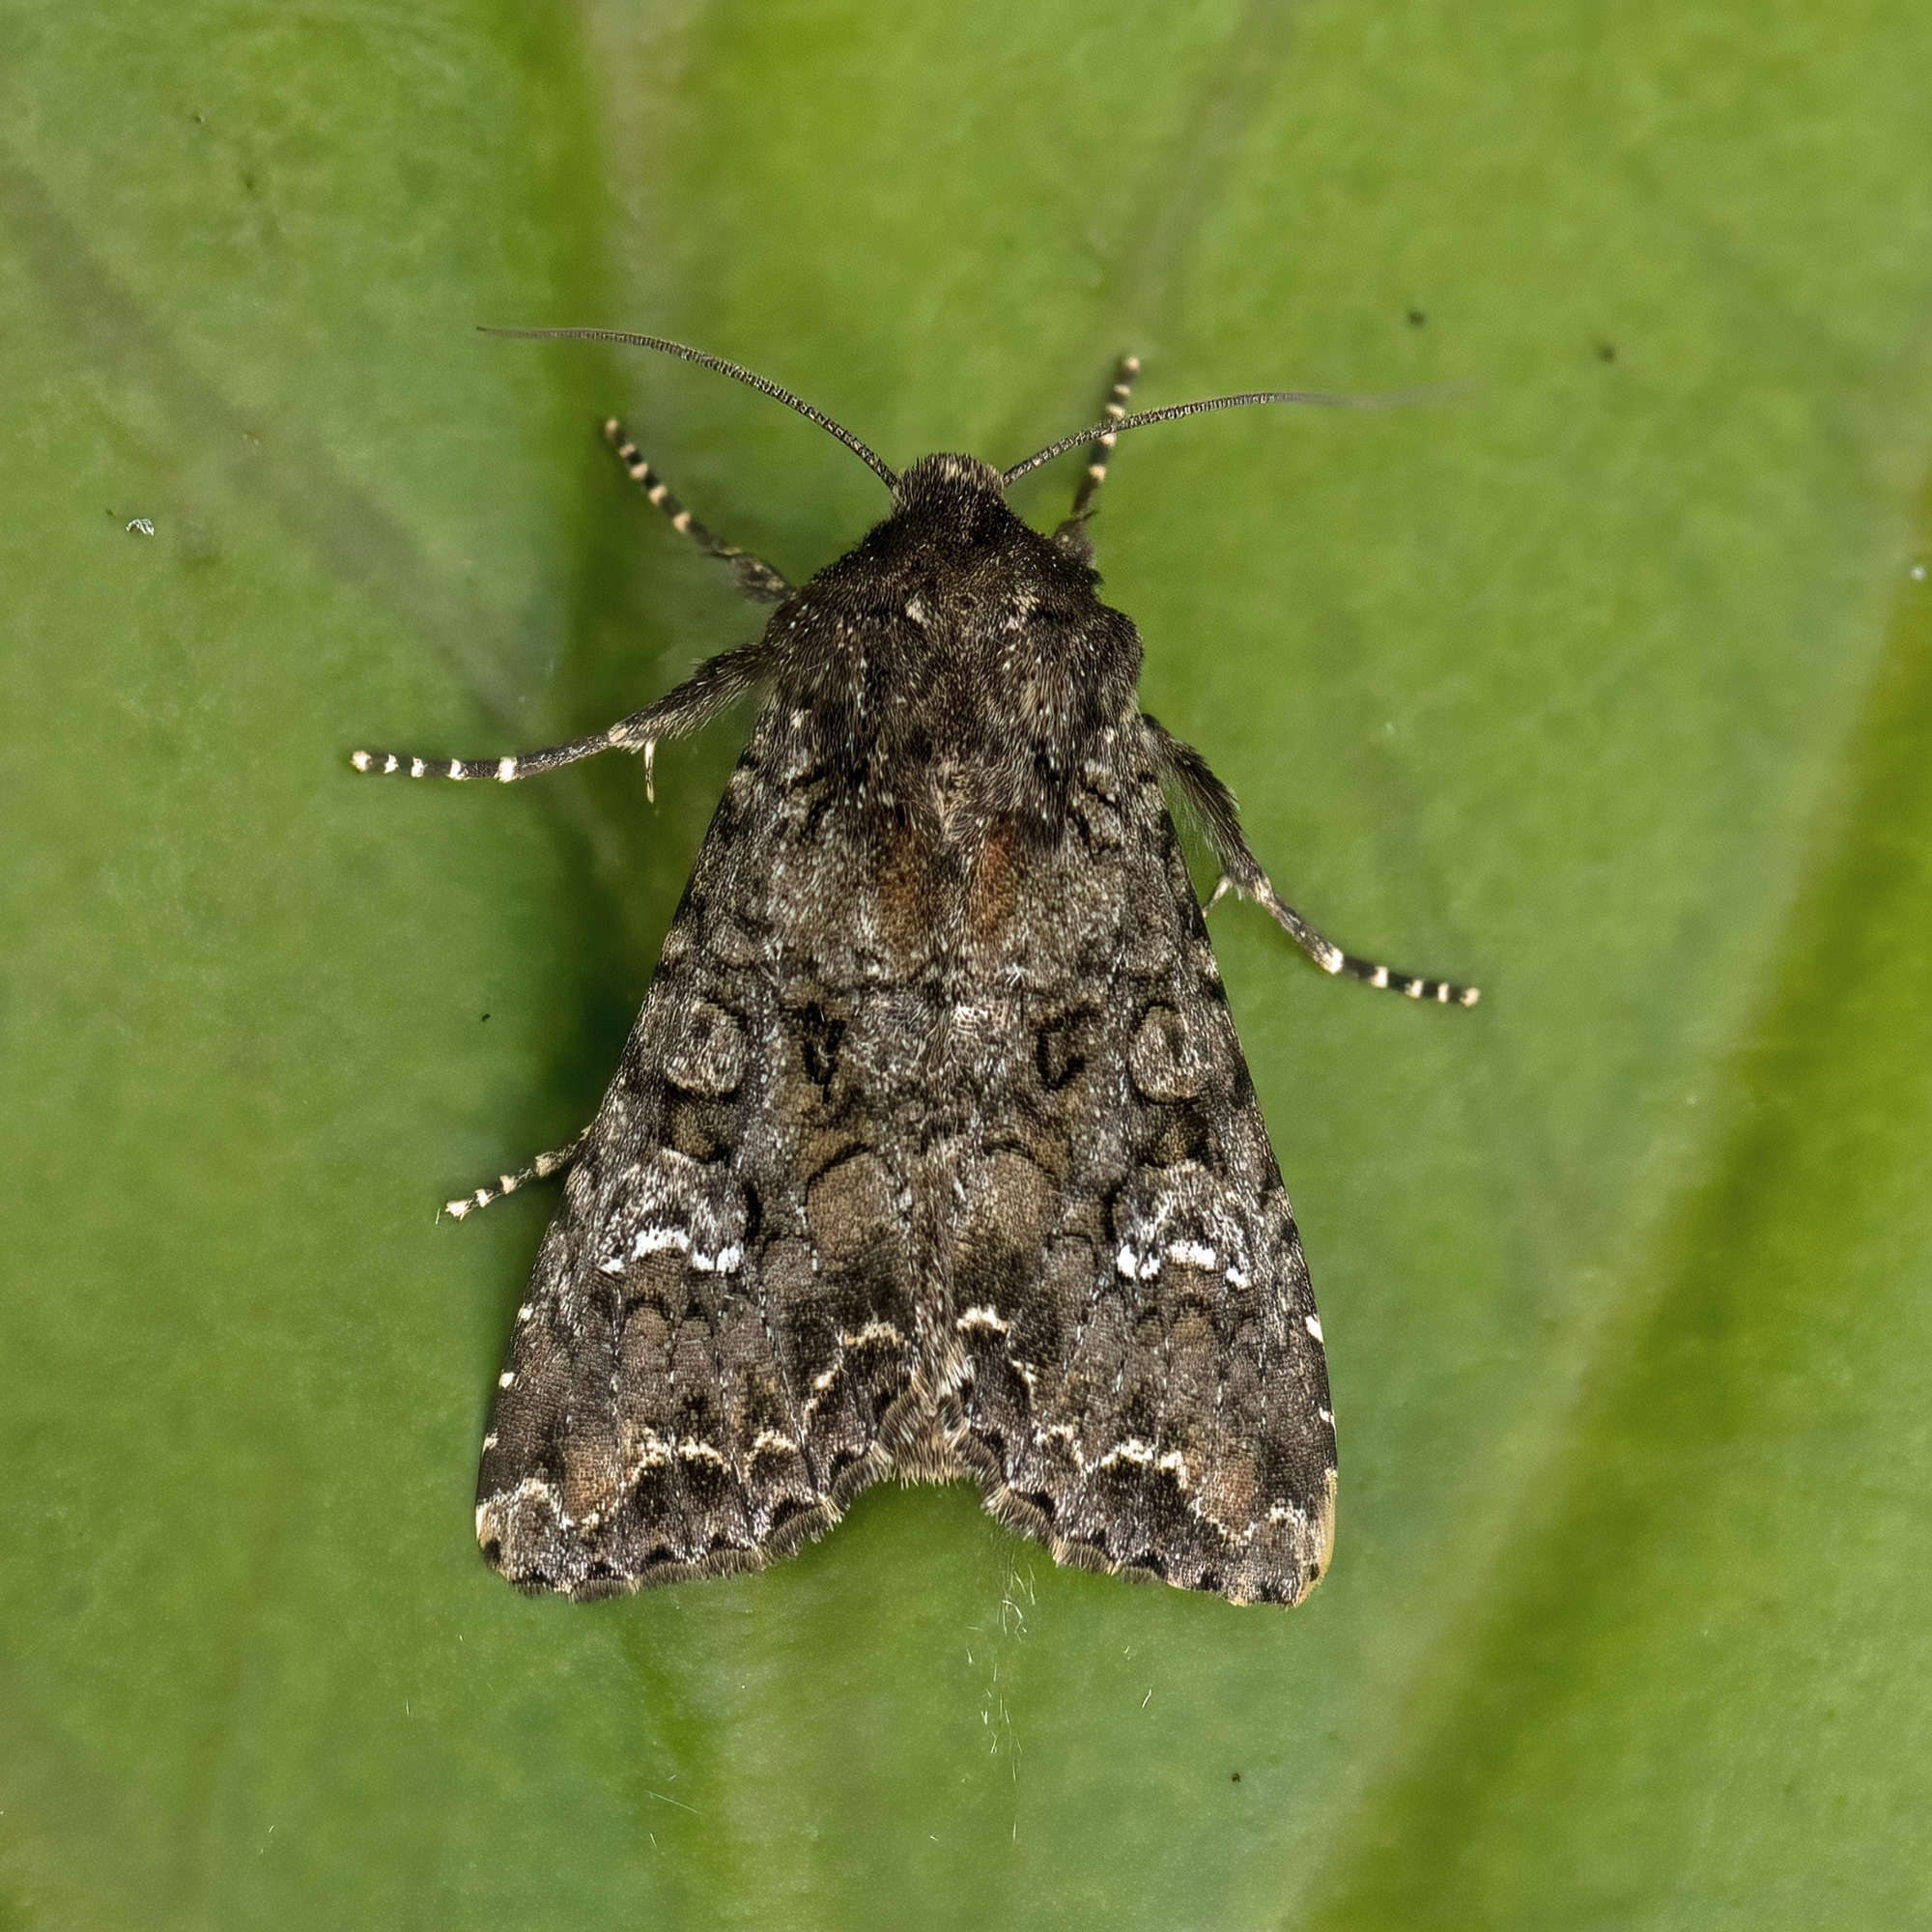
(1214, 805)
(540, 1169)
(1073, 534)
(694, 702)
(755, 577)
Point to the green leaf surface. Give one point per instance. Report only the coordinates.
(1604, 678)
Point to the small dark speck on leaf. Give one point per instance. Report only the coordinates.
(1416, 317)
(1607, 352)
(1233, 1777)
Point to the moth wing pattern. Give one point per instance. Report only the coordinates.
(933, 1152)
(718, 1330)
(1143, 1382)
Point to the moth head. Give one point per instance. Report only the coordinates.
(946, 476)
(954, 490)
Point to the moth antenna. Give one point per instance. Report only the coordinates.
(1323, 398)
(762, 383)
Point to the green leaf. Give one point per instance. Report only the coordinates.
(1602, 678)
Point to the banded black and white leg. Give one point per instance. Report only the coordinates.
(694, 704)
(754, 576)
(1213, 806)
(1073, 534)
(540, 1169)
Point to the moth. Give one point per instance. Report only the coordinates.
(932, 1153)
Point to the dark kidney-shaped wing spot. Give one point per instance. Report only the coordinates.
(1065, 1046)
(709, 1055)
(818, 1037)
